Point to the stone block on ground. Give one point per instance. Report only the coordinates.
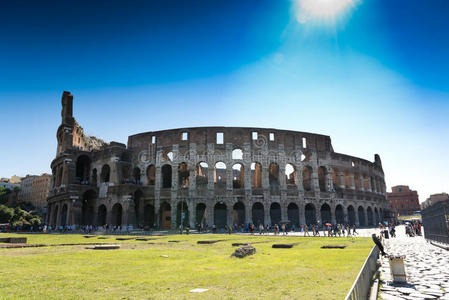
(244, 251)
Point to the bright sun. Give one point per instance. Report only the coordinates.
(320, 9)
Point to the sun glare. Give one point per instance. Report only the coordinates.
(326, 10)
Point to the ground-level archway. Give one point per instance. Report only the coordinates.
(361, 213)
(275, 213)
(165, 215)
(88, 207)
(258, 214)
(148, 216)
(293, 214)
(220, 215)
(310, 214)
(238, 214)
(351, 215)
(339, 214)
(369, 213)
(326, 214)
(116, 215)
(101, 215)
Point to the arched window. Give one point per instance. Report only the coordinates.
(83, 169)
(105, 173)
(273, 174)
(238, 172)
(136, 175)
(322, 178)
(151, 175)
(220, 173)
(201, 174)
(291, 177)
(307, 178)
(183, 175)
(237, 154)
(166, 176)
(256, 172)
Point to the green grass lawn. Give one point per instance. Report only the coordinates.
(138, 271)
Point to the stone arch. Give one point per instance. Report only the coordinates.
(307, 178)
(237, 154)
(361, 213)
(310, 213)
(326, 213)
(351, 215)
(125, 176)
(258, 214)
(201, 213)
(167, 155)
(273, 174)
(182, 214)
(291, 175)
(293, 214)
(348, 176)
(88, 207)
(238, 213)
(136, 175)
(183, 175)
(339, 214)
(202, 169)
(238, 176)
(256, 172)
(64, 215)
(220, 215)
(94, 176)
(165, 215)
(116, 215)
(82, 169)
(148, 216)
(151, 175)
(101, 215)
(55, 215)
(166, 175)
(376, 216)
(105, 173)
(369, 214)
(322, 178)
(275, 213)
(137, 197)
(220, 173)
(336, 180)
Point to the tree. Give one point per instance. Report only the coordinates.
(6, 214)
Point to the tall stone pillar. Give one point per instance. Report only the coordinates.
(248, 213)
(265, 179)
(352, 181)
(266, 211)
(210, 214)
(192, 214)
(341, 176)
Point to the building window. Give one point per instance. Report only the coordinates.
(220, 138)
(254, 135)
(185, 136)
(272, 137)
(304, 142)
(153, 139)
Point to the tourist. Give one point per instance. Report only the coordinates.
(306, 230)
(378, 243)
(261, 229)
(354, 232)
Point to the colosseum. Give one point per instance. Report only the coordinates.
(209, 175)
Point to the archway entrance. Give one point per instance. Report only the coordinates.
(220, 215)
(258, 214)
(293, 214)
(149, 216)
(369, 213)
(351, 215)
(238, 214)
(101, 217)
(310, 213)
(201, 214)
(117, 215)
(326, 216)
(361, 217)
(88, 208)
(165, 215)
(339, 214)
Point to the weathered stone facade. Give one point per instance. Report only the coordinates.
(212, 175)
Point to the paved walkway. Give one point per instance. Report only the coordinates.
(426, 267)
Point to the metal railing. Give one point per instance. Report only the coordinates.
(362, 284)
(435, 219)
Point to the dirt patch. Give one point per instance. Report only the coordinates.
(333, 246)
(291, 245)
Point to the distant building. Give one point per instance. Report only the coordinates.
(34, 189)
(15, 179)
(8, 185)
(435, 198)
(403, 200)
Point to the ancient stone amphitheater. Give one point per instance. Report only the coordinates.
(209, 175)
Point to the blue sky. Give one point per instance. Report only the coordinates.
(375, 76)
